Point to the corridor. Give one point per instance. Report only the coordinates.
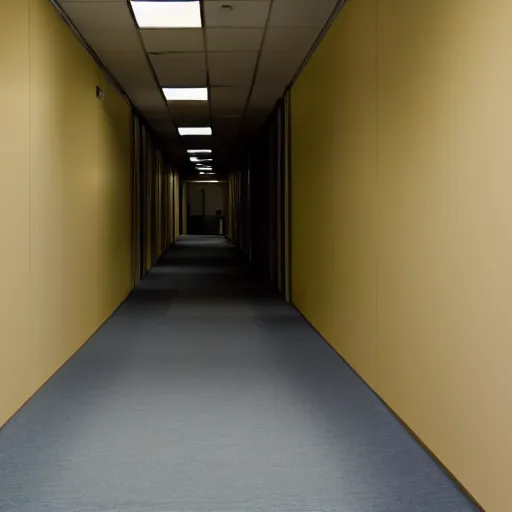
(205, 392)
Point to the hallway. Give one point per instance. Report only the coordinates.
(205, 392)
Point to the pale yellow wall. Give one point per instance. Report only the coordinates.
(333, 188)
(401, 239)
(65, 199)
(15, 386)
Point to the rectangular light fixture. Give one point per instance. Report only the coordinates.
(198, 151)
(186, 93)
(167, 14)
(204, 168)
(195, 130)
(195, 159)
(205, 181)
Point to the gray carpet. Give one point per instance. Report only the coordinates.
(206, 393)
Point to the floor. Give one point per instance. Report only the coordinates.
(207, 393)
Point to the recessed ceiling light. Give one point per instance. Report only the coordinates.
(195, 159)
(195, 131)
(167, 14)
(197, 151)
(185, 93)
(205, 181)
(204, 168)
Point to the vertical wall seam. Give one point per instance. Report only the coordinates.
(30, 141)
(31, 281)
(377, 202)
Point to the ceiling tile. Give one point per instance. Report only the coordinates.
(285, 39)
(109, 29)
(100, 15)
(231, 68)
(158, 117)
(228, 98)
(257, 112)
(180, 69)
(93, 1)
(234, 39)
(190, 118)
(225, 126)
(163, 126)
(197, 142)
(246, 13)
(265, 97)
(173, 40)
(301, 13)
(186, 113)
(276, 69)
(148, 99)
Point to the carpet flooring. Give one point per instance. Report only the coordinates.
(205, 392)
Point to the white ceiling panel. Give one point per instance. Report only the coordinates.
(234, 39)
(231, 68)
(92, 1)
(276, 69)
(148, 99)
(109, 29)
(194, 107)
(97, 15)
(190, 118)
(187, 113)
(173, 40)
(301, 13)
(286, 39)
(228, 98)
(230, 125)
(180, 69)
(163, 126)
(236, 13)
(158, 116)
(198, 142)
(265, 97)
(255, 113)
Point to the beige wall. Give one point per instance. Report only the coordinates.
(64, 199)
(401, 239)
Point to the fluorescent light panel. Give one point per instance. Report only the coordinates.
(186, 93)
(167, 14)
(206, 130)
(204, 168)
(195, 159)
(198, 151)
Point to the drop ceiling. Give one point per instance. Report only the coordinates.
(246, 53)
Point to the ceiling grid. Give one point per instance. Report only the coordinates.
(245, 52)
